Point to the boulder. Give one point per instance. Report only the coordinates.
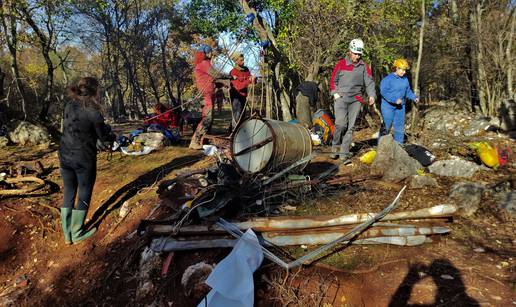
(454, 168)
(479, 124)
(507, 201)
(467, 196)
(445, 119)
(421, 181)
(393, 161)
(25, 133)
(155, 140)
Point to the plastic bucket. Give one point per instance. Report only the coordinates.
(264, 145)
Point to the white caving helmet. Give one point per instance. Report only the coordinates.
(356, 46)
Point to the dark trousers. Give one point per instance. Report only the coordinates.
(78, 177)
(237, 107)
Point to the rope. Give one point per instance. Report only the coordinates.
(202, 91)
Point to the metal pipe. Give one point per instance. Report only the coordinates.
(234, 231)
(301, 222)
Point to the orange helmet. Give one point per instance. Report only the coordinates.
(401, 63)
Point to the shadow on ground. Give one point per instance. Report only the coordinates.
(447, 278)
(129, 190)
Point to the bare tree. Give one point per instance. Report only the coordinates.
(10, 21)
(419, 57)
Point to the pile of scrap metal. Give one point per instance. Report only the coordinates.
(253, 179)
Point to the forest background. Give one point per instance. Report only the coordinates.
(460, 51)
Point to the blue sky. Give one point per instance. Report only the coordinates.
(251, 52)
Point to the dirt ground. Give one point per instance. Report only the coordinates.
(472, 266)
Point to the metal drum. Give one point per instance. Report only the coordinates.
(263, 145)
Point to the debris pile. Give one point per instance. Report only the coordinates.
(249, 183)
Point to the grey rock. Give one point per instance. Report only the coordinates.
(478, 125)
(445, 119)
(467, 196)
(418, 182)
(507, 201)
(155, 140)
(393, 161)
(25, 133)
(455, 168)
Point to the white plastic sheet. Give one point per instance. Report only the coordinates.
(232, 279)
(210, 150)
(144, 151)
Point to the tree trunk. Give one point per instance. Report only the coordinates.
(166, 75)
(418, 66)
(49, 85)
(153, 84)
(508, 57)
(265, 33)
(45, 42)
(475, 20)
(2, 78)
(11, 37)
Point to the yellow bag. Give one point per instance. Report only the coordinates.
(487, 154)
(368, 157)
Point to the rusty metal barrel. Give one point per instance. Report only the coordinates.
(265, 145)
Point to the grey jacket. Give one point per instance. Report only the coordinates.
(349, 80)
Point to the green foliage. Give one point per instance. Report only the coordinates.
(212, 17)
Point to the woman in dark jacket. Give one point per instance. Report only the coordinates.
(83, 126)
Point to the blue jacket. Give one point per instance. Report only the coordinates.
(393, 87)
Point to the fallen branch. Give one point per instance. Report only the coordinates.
(40, 182)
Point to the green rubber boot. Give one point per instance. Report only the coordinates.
(78, 233)
(66, 223)
(334, 151)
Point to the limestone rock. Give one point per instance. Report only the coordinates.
(480, 124)
(155, 140)
(507, 201)
(25, 133)
(467, 196)
(454, 167)
(393, 161)
(418, 182)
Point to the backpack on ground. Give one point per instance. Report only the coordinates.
(323, 126)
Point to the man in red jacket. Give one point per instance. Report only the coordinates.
(238, 91)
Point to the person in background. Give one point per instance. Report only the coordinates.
(394, 90)
(242, 78)
(82, 129)
(163, 116)
(306, 102)
(219, 98)
(350, 77)
(205, 76)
